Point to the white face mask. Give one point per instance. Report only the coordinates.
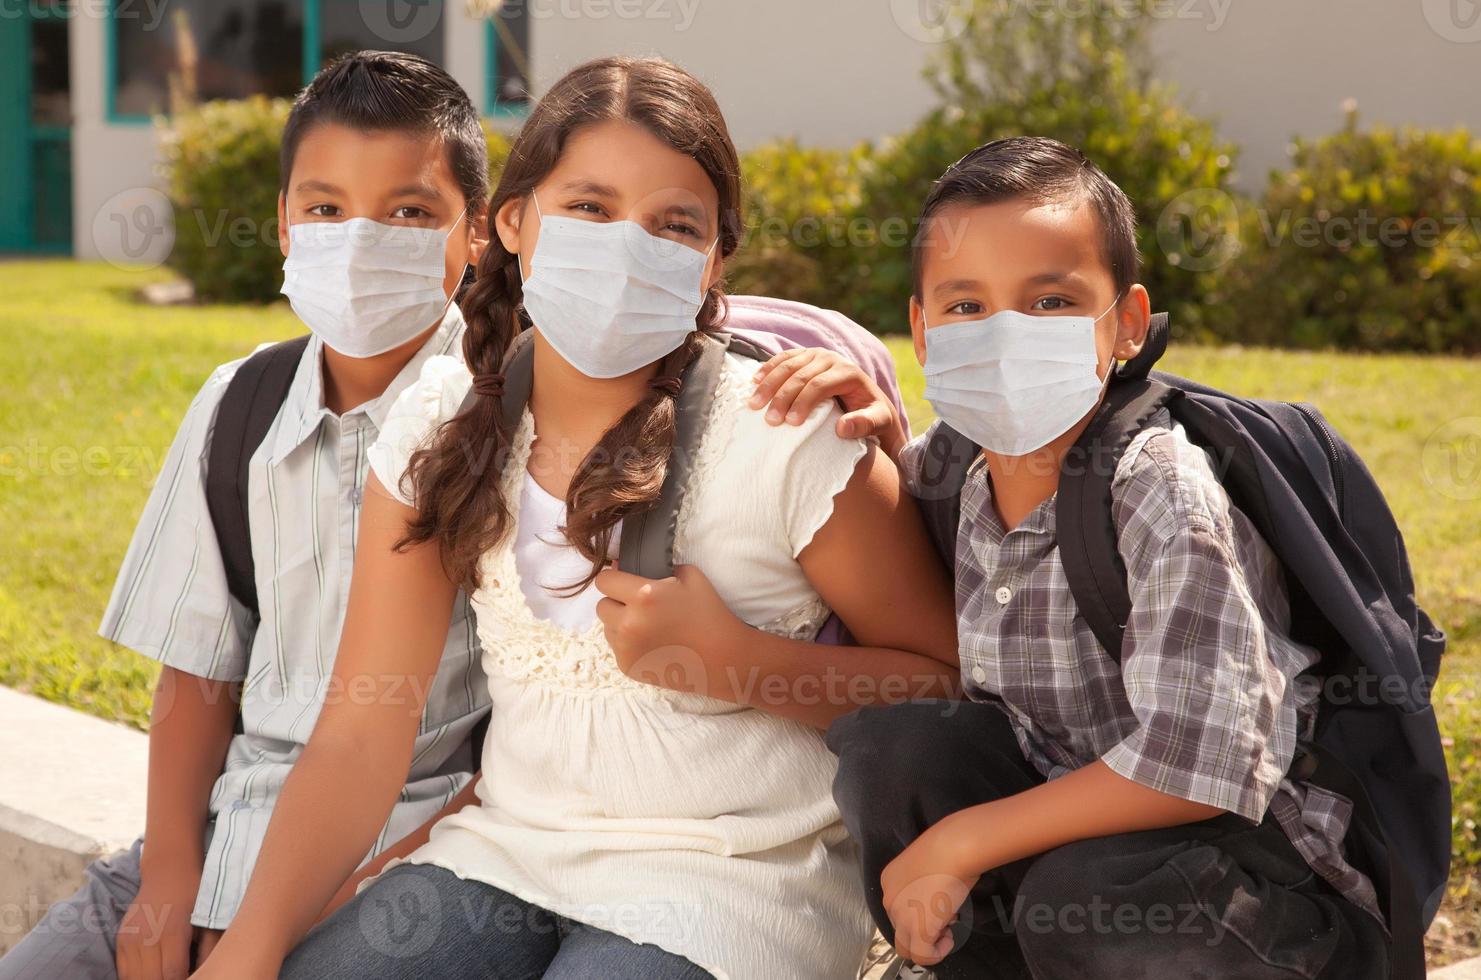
(1013, 383)
(608, 296)
(366, 287)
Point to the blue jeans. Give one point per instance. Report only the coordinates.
(419, 921)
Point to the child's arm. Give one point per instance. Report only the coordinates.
(797, 381)
(189, 730)
(345, 783)
(921, 892)
(871, 563)
(467, 796)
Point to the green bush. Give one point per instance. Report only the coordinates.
(800, 201)
(222, 161)
(1371, 240)
(1018, 70)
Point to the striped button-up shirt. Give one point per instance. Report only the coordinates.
(171, 603)
(1211, 695)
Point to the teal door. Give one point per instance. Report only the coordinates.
(36, 117)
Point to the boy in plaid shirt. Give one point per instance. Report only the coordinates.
(1075, 817)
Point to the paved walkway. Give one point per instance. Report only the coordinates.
(1464, 970)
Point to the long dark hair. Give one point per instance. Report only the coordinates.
(458, 506)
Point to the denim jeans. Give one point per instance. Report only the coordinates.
(418, 922)
(77, 937)
(1219, 898)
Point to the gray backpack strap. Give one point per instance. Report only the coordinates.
(648, 537)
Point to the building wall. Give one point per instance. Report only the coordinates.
(833, 72)
(1271, 69)
(120, 212)
(837, 71)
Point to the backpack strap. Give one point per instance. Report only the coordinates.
(1082, 510)
(251, 401)
(943, 473)
(647, 547)
(1154, 345)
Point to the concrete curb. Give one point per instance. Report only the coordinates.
(1464, 970)
(72, 789)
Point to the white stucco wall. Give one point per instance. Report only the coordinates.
(833, 72)
(1269, 69)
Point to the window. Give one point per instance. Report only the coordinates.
(211, 49)
(229, 49)
(413, 26)
(509, 60)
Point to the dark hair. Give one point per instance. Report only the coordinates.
(389, 90)
(458, 506)
(1043, 170)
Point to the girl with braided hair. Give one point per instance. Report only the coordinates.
(655, 798)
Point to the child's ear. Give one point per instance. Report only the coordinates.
(507, 221)
(478, 226)
(716, 271)
(283, 223)
(1133, 316)
(918, 329)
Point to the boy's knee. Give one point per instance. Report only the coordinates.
(1082, 910)
(881, 748)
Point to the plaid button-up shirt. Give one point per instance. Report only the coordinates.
(1209, 700)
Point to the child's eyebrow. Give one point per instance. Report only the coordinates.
(416, 190)
(956, 286)
(588, 186)
(1057, 279)
(311, 186)
(688, 211)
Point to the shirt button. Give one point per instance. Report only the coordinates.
(356, 496)
(979, 675)
(1003, 595)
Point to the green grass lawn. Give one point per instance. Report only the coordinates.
(93, 385)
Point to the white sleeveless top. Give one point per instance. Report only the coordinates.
(697, 825)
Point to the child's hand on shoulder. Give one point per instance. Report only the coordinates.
(925, 887)
(665, 632)
(797, 381)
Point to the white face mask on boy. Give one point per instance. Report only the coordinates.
(610, 297)
(1013, 383)
(366, 287)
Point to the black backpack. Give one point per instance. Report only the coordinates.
(1351, 593)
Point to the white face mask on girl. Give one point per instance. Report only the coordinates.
(1013, 383)
(366, 287)
(610, 297)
